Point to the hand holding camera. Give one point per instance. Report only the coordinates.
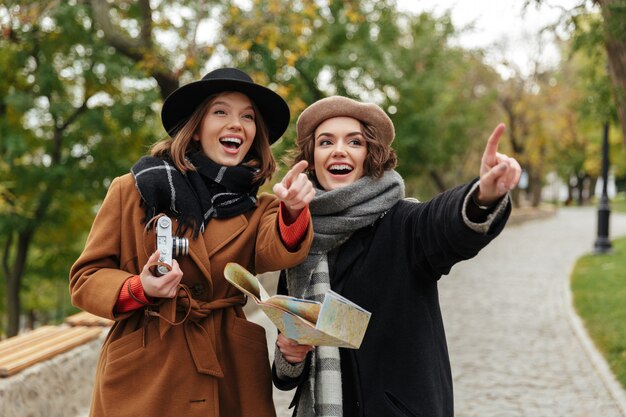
(163, 280)
(161, 286)
(169, 246)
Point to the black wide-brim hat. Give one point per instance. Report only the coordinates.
(180, 104)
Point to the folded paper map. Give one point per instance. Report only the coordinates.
(335, 322)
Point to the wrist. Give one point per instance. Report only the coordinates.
(485, 207)
(137, 291)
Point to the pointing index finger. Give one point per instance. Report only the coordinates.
(492, 144)
(294, 172)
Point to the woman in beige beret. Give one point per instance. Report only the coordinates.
(385, 253)
(181, 344)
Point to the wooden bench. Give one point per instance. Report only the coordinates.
(27, 349)
(87, 319)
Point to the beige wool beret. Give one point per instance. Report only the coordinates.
(338, 106)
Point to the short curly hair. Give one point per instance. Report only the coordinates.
(380, 157)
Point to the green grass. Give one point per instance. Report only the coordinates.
(599, 291)
(618, 203)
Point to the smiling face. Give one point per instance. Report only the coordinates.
(339, 153)
(227, 129)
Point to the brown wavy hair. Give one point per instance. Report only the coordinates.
(379, 158)
(181, 145)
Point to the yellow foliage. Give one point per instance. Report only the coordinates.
(354, 16)
(297, 105)
(311, 10)
(297, 28)
(303, 46)
(283, 90)
(234, 11)
(291, 59)
(190, 61)
(274, 6)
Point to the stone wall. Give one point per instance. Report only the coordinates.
(58, 387)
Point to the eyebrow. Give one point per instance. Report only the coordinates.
(356, 133)
(223, 103)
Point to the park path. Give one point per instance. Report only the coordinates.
(516, 346)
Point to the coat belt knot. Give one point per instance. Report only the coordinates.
(201, 343)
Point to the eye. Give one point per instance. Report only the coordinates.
(219, 112)
(324, 142)
(356, 142)
(249, 116)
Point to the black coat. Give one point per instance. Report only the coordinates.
(391, 269)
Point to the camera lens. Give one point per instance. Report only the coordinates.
(180, 246)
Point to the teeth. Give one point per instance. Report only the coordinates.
(340, 167)
(236, 141)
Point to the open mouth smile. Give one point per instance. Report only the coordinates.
(231, 143)
(340, 169)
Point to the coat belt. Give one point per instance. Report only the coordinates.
(200, 342)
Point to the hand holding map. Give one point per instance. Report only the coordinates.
(335, 322)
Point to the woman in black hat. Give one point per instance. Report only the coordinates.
(384, 253)
(180, 344)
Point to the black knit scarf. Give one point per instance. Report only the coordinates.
(194, 197)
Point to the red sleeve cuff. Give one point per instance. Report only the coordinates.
(293, 234)
(126, 302)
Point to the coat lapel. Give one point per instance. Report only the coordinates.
(220, 232)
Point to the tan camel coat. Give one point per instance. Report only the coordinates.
(216, 362)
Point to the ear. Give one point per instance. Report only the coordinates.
(195, 137)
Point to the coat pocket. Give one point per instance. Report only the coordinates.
(400, 408)
(253, 333)
(124, 346)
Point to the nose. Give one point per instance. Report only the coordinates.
(339, 150)
(234, 123)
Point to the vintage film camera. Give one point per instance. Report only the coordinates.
(169, 246)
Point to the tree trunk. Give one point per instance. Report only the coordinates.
(137, 49)
(580, 189)
(592, 188)
(13, 305)
(14, 273)
(14, 258)
(439, 183)
(570, 194)
(534, 186)
(615, 44)
(14, 266)
(31, 319)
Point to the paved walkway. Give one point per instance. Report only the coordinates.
(516, 346)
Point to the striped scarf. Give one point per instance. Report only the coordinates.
(336, 214)
(194, 197)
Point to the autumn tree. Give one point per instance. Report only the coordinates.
(438, 96)
(165, 39)
(85, 80)
(584, 97)
(607, 32)
(73, 114)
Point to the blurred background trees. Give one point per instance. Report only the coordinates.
(83, 82)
